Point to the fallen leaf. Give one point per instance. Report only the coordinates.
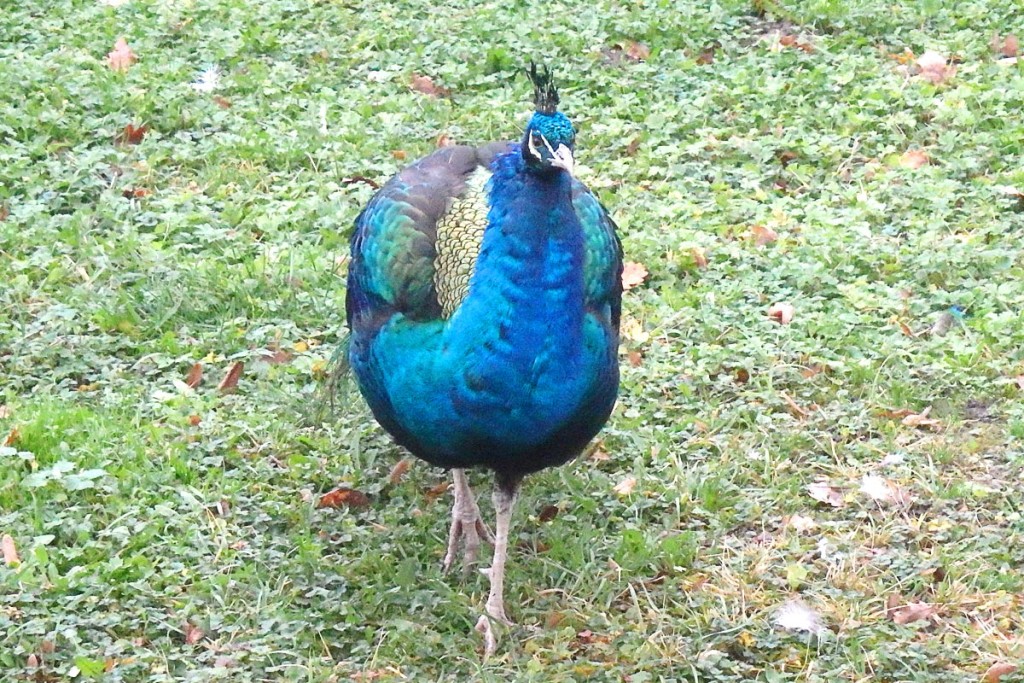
(352, 180)
(194, 420)
(882, 490)
(914, 158)
(230, 382)
(781, 312)
(135, 192)
(193, 634)
(547, 513)
(793, 41)
(763, 235)
(10, 551)
(707, 56)
(633, 274)
(12, 437)
(195, 376)
(997, 671)
(444, 140)
(905, 57)
(1007, 47)
(700, 258)
(121, 57)
(426, 85)
(921, 420)
(1010, 190)
(275, 356)
(633, 146)
(399, 470)
(222, 102)
(600, 455)
(343, 497)
(132, 134)
(823, 492)
(399, 154)
(801, 523)
(625, 487)
(436, 491)
(32, 661)
(636, 358)
(795, 408)
(914, 611)
(795, 615)
(934, 67)
(638, 52)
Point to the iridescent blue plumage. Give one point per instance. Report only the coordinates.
(522, 371)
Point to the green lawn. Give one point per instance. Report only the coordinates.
(762, 152)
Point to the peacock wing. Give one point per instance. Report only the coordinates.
(395, 245)
(602, 261)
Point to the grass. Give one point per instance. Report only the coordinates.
(167, 534)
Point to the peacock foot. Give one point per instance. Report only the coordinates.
(486, 624)
(467, 528)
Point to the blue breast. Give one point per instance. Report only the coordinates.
(522, 374)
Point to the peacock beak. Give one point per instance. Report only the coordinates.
(562, 158)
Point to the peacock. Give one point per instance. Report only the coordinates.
(484, 295)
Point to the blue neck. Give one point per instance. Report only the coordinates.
(526, 298)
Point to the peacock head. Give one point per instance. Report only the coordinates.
(550, 139)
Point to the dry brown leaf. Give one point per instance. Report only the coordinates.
(12, 437)
(32, 661)
(230, 382)
(399, 154)
(997, 671)
(10, 551)
(193, 634)
(921, 420)
(1006, 47)
(5, 411)
(426, 85)
(195, 376)
(222, 102)
(633, 146)
(823, 492)
(905, 57)
(600, 455)
(707, 56)
(343, 496)
(547, 513)
(911, 612)
(1010, 190)
(399, 470)
(782, 312)
(625, 487)
(636, 359)
(633, 274)
(121, 57)
(914, 158)
(763, 235)
(436, 491)
(132, 134)
(444, 140)
(934, 67)
(194, 420)
(638, 52)
(700, 257)
(793, 41)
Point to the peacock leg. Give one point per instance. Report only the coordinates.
(504, 498)
(467, 525)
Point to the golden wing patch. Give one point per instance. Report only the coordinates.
(459, 234)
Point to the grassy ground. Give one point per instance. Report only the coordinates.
(167, 534)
